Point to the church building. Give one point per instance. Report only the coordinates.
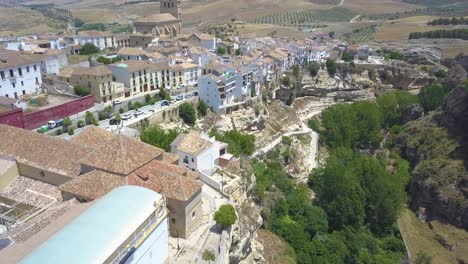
(168, 23)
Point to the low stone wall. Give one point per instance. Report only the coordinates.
(210, 182)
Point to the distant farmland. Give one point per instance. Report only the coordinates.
(296, 18)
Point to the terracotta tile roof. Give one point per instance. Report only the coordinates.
(184, 66)
(121, 155)
(69, 71)
(133, 65)
(132, 51)
(193, 144)
(170, 158)
(10, 59)
(42, 151)
(93, 137)
(176, 182)
(157, 18)
(93, 185)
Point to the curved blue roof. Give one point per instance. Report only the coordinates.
(94, 235)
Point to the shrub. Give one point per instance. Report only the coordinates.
(331, 66)
(221, 51)
(202, 108)
(238, 143)
(81, 91)
(314, 68)
(59, 132)
(121, 110)
(187, 113)
(226, 215)
(66, 123)
(89, 49)
(71, 131)
(102, 116)
(346, 56)
(158, 137)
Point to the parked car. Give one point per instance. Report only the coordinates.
(180, 98)
(138, 113)
(195, 93)
(165, 103)
(126, 116)
(113, 121)
(187, 96)
(51, 124)
(117, 102)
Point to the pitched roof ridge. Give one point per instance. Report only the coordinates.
(123, 153)
(181, 185)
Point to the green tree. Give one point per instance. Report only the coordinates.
(238, 143)
(159, 137)
(331, 66)
(78, 22)
(202, 108)
(89, 118)
(331, 34)
(221, 51)
(226, 215)
(89, 49)
(313, 68)
(118, 118)
(66, 122)
(357, 124)
(392, 105)
(346, 56)
(296, 71)
(187, 113)
(81, 91)
(286, 81)
(121, 110)
(208, 255)
(432, 96)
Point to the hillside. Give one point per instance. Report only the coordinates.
(437, 148)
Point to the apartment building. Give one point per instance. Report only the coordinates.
(218, 92)
(100, 39)
(138, 77)
(185, 74)
(20, 73)
(97, 79)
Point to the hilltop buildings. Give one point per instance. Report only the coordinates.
(167, 23)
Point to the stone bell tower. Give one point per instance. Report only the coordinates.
(173, 7)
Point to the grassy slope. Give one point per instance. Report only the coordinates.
(276, 250)
(420, 238)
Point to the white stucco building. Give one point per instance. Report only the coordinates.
(100, 39)
(198, 152)
(20, 74)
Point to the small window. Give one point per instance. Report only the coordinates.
(22, 83)
(35, 68)
(173, 221)
(193, 160)
(27, 68)
(194, 213)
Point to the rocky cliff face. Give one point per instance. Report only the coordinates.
(357, 83)
(437, 147)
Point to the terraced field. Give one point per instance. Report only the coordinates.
(457, 9)
(295, 18)
(362, 35)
